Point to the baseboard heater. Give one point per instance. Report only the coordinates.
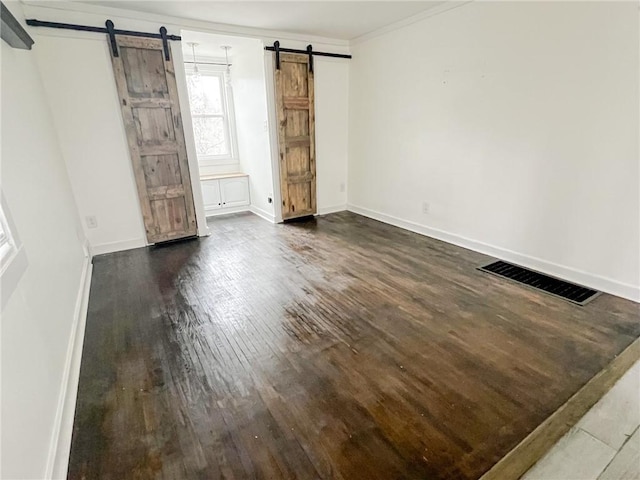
(553, 286)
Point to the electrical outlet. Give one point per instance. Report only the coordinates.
(342, 187)
(425, 208)
(92, 221)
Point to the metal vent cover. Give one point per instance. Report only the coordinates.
(553, 286)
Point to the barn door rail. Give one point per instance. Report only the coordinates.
(309, 51)
(110, 30)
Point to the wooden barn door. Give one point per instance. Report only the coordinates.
(151, 113)
(296, 135)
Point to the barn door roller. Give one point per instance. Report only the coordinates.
(111, 32)
(309, 51)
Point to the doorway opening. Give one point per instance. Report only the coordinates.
(228, 101)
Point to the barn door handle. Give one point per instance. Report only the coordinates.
(310, 52)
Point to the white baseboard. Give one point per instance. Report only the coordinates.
(262, 213)
(60, 445)
(608, 285)
(332, 209)
(118, 246)
(122, 245)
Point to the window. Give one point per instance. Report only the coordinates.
(212, 115)
(13, 259)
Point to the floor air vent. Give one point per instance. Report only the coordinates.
(559, 288)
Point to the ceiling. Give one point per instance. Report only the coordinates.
(332, 19)
(210, 46)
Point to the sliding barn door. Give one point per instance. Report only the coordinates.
(296, 135)
(151, 112)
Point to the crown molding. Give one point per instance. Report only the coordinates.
(431, 12)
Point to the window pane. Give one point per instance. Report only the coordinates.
(3, 235)
(205, 94)
(210, 138)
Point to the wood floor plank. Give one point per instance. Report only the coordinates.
(339, 347)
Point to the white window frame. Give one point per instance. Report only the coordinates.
(13, 259)
(228, 115)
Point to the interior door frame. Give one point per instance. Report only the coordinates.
(272, 111)
(272, 122)
(189, 138)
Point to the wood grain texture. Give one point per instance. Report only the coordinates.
(296, 135)
(335, 348)
(151, 113)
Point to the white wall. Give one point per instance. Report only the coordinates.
(517, 122)
(84, 101)
(38, 318)
(250, 101)
(332, 124)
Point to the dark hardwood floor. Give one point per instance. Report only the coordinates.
(336, 348)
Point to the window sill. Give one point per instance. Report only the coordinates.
(216, 162)
(220, 176)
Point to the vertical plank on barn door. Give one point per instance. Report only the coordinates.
(296, 135)
(151, 114)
